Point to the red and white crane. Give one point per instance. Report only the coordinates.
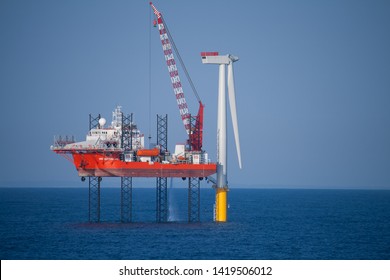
(195, 131)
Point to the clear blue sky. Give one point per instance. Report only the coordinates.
(312, 83)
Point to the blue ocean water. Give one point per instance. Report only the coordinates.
(52, 223)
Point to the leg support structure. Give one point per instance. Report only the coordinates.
(161, 200)
(193, 200)
(94, 199)
(162, 183)
(126, 199)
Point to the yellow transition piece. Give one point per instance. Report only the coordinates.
(221, 204)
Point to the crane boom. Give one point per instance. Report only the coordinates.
(173, 72)
(195, 131)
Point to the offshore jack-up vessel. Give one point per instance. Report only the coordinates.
(118, 150)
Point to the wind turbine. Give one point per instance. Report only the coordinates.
(221, 184)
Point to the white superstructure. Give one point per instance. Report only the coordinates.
(109, 137)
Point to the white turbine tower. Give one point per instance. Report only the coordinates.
(222, 187)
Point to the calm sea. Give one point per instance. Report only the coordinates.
(52, 223)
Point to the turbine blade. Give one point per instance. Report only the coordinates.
(233, 110)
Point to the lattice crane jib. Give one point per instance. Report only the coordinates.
(167, 44)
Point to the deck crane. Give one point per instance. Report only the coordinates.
(195, 131)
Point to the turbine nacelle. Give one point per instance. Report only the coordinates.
(215, 58)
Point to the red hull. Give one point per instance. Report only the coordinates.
(103, 165)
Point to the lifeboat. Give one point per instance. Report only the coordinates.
(148, 152)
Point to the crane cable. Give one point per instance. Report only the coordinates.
(181, 61)
(150, 76)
